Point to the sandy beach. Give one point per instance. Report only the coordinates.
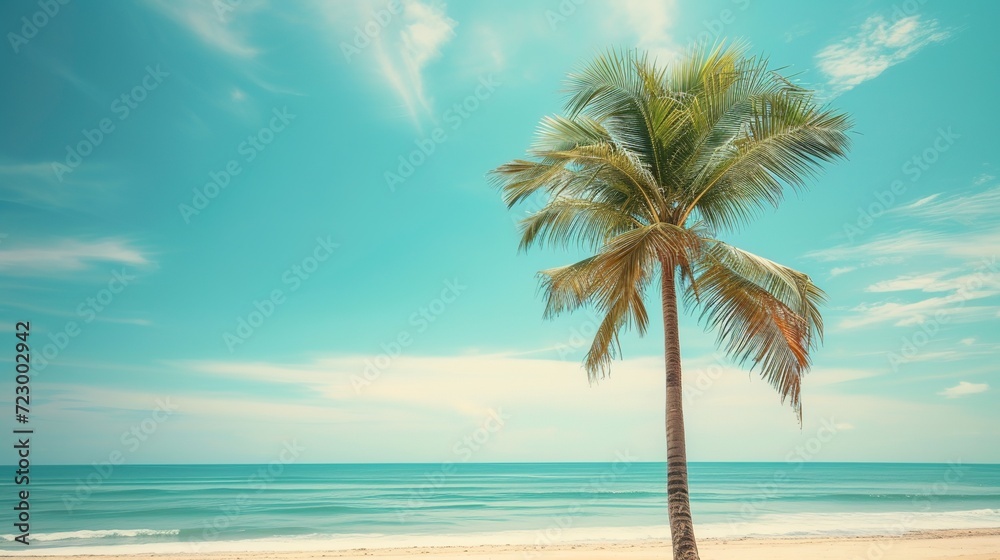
(978, 544)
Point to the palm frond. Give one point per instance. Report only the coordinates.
(763, 313)
(618, 89)
(614, 281)
(566, 220)
(785, 143)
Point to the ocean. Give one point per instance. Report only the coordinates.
(203, 508)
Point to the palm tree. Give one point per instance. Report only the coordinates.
(646, 167)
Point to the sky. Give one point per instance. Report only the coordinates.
(236, 226)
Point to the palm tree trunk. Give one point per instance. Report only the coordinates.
(678, 500)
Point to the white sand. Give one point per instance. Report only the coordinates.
(976, 544)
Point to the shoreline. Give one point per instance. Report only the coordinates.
(958, 544)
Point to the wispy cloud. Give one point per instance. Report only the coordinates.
(651, 20)
(438, 393)
(404, 45)
(957, 289)
(963, 207)
(799, 30)
(420, 406)
(983, 178)
(216, 28)
(910, 243)
(877, 45)
(62, 255)
(964, 281)
(402, 60)
(35, 184)
(19, 303)
(975, 238)
(227, 28)
(914, 313)
(964, 388)
(937, 281)
(475, 381)
(69, 75)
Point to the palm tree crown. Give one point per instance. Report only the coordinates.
(647, 165)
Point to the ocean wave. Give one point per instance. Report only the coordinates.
(830, 497)
(764, 526)
(96, 534)
(849, 523)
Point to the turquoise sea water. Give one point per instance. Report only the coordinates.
(192, 508)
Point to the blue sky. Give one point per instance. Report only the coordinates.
(235, 228)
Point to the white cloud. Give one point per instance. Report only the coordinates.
(953, 306)
(922, 201)
(982, 178)
(798, 30)
(651, 20)
(555, 414)
(939, 281)
(838, 270)
(420, 406)
(955, 288)
(916, 313)
(968, 252)
(878, 45)
(35, 184)
(942, 356)
(964, 388)
(966, 208)
(974, 248)
(426, 28)
(217, 28)
(976, 245)
(968, 341)
(67, 254)
(403, 45)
